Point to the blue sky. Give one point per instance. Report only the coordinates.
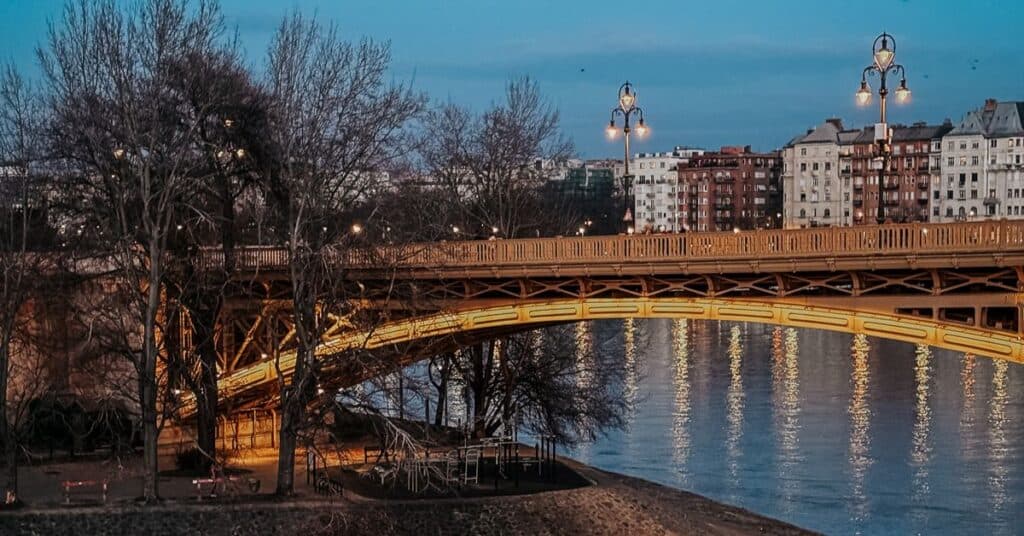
(708, 73)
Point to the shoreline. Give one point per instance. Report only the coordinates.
(612, 504)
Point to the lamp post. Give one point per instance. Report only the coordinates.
(627, 108)
(883, 51)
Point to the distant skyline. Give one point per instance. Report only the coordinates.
(708, 74)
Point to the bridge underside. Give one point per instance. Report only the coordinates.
(353, 358)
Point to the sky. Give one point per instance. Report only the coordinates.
(707, 74)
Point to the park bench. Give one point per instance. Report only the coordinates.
(218, 482)
(83, 487)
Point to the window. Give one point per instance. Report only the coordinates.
(827, 214)
(949, 212)
(974, 145)
(974, 177)
(974, 160)
(938, 195)
(803, 213)
(803, 166)
(974, 194)
(963, 160)
(992, 143)
(803, 152)
(815, 166)
(828, 166)
(949, 161)
(963, 145)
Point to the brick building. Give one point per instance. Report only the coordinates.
(731, 188)
(907, 183)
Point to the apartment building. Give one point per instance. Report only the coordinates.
(733, 188)
(656, 189)
(982, 165)
(813, 195)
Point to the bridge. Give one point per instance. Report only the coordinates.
(956, 286)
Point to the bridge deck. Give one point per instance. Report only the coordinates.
(905, 246)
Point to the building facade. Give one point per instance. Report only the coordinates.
(904, 193)
(590, 193)
(733, 188)
(656, 189)
(982, 165)
(813, 195)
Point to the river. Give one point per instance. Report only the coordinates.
(833, 432)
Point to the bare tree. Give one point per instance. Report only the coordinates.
(561, 381)
(22, 233)
(118, 122)
(336, 121)
(228, 111)
(491, 166)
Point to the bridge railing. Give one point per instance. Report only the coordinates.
(900, 239)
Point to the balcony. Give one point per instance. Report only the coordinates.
(858, 185)
(845, 172)
(922, 198)
(923, 184)
(858, 202)
(991, 200)
(889, 202)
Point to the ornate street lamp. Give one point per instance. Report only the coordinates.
(884, 53)
(627, 108)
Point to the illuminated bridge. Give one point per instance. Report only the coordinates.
(956, 286)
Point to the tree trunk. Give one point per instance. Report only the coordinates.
(286, 451)
(442, 400)
(206, 398)
(481, 373)
(7, 434)
(294, 400)
(147, 380)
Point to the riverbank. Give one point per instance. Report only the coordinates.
(613, 504)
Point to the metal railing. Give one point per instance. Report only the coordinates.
(825, 242)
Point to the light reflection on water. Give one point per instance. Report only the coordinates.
(838, 433)
(681, 407)
(860, 427)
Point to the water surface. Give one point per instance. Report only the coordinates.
(837, 433)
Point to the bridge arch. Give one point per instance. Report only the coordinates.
(481, 319)
(905, 328)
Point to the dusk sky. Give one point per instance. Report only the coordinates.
(710, 73)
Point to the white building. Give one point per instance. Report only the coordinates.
(813, 195)
(982, 165)
(656, 188)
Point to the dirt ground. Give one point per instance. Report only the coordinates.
(609, 504)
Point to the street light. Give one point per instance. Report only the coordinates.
(627, 108)
(883, 52)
